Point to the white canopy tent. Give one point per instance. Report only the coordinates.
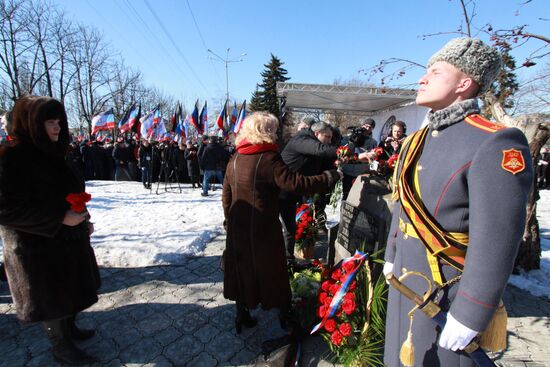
(382, 104)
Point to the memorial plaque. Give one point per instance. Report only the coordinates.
(364, 217)
(356, 227)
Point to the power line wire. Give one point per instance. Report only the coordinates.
(159, 43)
(202, 39)
(175, 45)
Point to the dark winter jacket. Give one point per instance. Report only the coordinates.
(122, 155)
(213, 157)
(255, 260)
(51, 267)
(192, 162)
(304, 153)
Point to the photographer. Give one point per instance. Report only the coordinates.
(362, 138)
(392, 143)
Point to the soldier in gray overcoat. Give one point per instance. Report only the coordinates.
(474, 177)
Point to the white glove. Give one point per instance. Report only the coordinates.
(455, 335)
(388, 268)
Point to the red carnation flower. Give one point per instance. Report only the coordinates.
(348, 306)
(392, 160)
(334, 288)
(330, 325)
(336, 338)
(78, 201)
(327, 301)
(348, 266)
(322, 297)
(350, 295)
(336, 274)
(321, 311)
(345, 329)
(325, 285)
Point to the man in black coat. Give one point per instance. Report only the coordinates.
(306, 152)
(211, 158)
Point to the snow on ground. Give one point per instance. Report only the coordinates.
(537, 282)
(135, 227)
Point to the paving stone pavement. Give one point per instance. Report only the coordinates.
(177, 316)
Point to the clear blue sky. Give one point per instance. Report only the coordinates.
(318, 41)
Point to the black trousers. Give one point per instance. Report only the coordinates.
(287, 212)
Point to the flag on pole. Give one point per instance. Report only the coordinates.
(221, 118)
(185, 125)
(204, 119)
(103, 121)
(135, 124)
(194, 118)
(233, 118)
(159, 129)
(175, 118)
(148, 122)
(129, 119)
(240, 119)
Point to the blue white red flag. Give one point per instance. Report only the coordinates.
(104, 121)
(204, 119)
(234, 116)
(220, 121)
(185, 125)
(240, 119)
(147, 122)
(194, 118)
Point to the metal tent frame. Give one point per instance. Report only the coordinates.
(364, 100)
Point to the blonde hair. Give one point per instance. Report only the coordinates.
(259, 127)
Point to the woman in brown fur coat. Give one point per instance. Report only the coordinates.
(50, 265)
(255, 259)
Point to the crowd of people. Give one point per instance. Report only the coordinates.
(151, 161)
(475, 228)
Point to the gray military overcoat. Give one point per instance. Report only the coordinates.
(465, 187)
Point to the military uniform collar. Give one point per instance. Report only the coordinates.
(451, 115)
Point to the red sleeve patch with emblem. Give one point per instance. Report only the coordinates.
(512, 161)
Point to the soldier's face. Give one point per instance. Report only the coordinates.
(438, 88)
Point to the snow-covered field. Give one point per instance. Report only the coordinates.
(136, 228)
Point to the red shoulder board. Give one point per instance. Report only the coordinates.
(482, 123)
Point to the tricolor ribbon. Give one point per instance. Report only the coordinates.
(302, 212)
(359, 257)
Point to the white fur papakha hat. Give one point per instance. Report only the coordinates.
(473, 57)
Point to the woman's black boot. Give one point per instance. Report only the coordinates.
(63, 348)
(76, 333)
(243, 318)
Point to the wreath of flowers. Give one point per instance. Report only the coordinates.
(337, 303)
(305, 229)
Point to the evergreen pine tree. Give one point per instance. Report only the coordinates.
(265, 97)
(256, 102)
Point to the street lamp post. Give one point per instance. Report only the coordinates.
(226, 61)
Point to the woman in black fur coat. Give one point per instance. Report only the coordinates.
(50, 265)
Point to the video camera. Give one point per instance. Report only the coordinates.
(357, 135)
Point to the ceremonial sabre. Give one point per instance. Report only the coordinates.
(433, 311)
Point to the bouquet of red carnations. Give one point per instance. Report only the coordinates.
(305, 229)
(337, 304)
